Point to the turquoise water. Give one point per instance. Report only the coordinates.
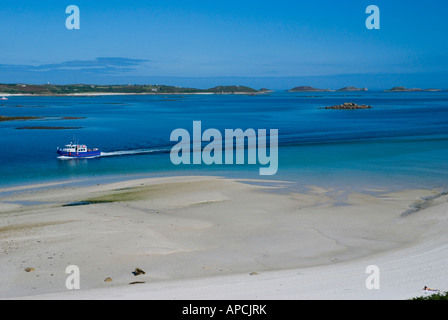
(401, 143)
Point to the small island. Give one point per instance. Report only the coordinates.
(307, 89)
(352, 89)
(348, 106)
(404, 89)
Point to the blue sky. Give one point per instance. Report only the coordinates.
(196, 43)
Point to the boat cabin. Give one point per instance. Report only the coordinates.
(75, 148)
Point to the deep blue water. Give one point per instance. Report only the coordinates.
(402, 142)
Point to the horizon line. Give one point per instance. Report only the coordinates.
(312, 88)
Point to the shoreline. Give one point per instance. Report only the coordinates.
(193, 235)
(94, 94)
(126, 94)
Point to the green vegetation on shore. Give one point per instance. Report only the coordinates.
(80, 89)
(50, 89)
(435, 296)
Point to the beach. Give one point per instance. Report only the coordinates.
(227, 151)
(209, 237)
(99, 94)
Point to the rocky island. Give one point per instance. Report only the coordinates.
(348, 106)
(404, 89)
(352, 89)
(307, 89)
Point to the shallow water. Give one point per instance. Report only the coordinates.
(401, 143)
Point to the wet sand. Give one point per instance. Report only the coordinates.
(216, 238)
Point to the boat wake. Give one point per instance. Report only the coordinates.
(132, 152)
(72, 158)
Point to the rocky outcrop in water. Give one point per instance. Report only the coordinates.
(348, 106)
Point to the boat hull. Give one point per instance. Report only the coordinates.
(79, 155)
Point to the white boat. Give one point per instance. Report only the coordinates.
(4, 98)
(76, 151)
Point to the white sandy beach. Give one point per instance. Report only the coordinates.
(215, 238)
(96, 94)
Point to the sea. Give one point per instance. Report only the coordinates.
(400, 143)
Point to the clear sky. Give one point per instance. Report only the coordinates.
(197, 43)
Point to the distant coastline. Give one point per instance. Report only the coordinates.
(75, 90)
(404, 89)
(95, 90)
(312, 89)
(355, 89)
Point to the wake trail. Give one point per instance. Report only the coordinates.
(132, 152)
